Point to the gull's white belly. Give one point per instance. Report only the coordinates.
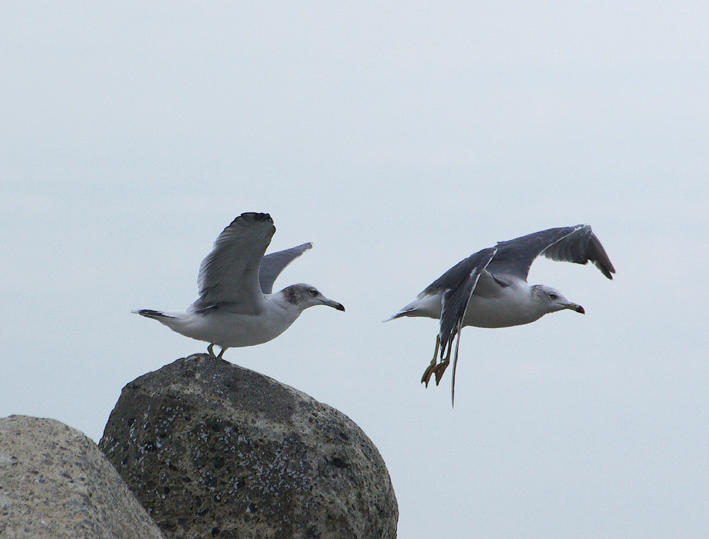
(499, 308)
(230, 330)
(499, 312)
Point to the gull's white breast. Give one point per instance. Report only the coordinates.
(233, 330)
(512, 306)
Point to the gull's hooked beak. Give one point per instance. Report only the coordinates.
(333, 304)
(575, 307)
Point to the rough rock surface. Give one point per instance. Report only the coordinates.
(215, 450)
(56, 484)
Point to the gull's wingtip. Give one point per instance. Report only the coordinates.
(250, 216)
(600, 258)
(256, 216)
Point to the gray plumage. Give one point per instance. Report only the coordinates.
(489, 288)
(236, 305)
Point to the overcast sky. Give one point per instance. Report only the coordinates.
(399, 138)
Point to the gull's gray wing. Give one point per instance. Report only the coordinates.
(230, 273)
(455, 277)
(459, 282)
(273, 264)
(576, 244)
(458, 285)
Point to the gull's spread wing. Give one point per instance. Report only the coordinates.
(273, 264)
(230, 273)
(576, 244)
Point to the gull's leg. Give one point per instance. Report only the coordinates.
(426, 378)
(210, 349)
(439, 369)
(221, 354)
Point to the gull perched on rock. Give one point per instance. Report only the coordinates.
(489, 289)
(236, 306)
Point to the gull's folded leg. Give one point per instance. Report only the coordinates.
(210, 349)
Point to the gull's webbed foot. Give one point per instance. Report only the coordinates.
(440, 369)
(432, 367)
(426, 378)
(435, 368)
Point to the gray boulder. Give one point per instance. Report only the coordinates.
(215, 450)
(56, 484)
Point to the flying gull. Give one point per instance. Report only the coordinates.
(489, 289)
(236, 305)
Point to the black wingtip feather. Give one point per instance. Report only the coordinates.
(600, 257)
(251, 216)
(256, 216)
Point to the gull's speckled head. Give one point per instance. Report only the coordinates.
(305, 295)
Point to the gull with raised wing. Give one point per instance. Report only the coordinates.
(236, 305)
(489, 289)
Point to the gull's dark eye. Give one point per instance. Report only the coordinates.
(312, 292)
(553, 296)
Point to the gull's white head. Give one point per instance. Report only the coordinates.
(551, 300)
(305, 295)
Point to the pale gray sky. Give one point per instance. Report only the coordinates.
(399, 138)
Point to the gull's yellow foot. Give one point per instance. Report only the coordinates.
(440, 369)
(435, 368)
(426, 378)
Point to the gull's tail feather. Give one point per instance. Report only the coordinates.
(155, 315)
(403, 312)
